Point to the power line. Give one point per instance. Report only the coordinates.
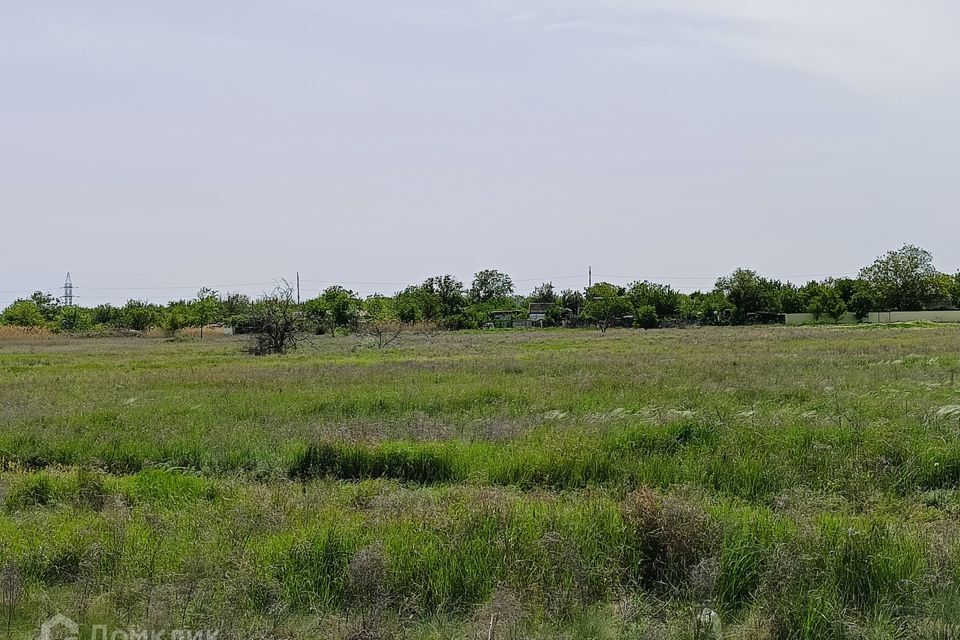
(24, 290)
(352, 282)
(191, 287)
(778, 276)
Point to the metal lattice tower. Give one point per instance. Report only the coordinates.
(68, 292)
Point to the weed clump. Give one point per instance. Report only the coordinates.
(349, 461)
(89, 491)
(501, 617)
(32, 490)
(669, 538)
(367, 578)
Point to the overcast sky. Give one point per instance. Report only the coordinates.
(227, 143)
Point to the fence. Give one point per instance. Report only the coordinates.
(882, 316)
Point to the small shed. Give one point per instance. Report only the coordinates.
(538, 311)
(502, 318)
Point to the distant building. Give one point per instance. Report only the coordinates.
(539, 310)
(502, 318)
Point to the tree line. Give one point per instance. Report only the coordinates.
(900, 280)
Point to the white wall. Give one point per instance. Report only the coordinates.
(882, 316)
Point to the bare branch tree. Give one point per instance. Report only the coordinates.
(383, 332)
(274, 321)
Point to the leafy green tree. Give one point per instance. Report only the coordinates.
(846, 287)
(791, 299)
(646, 317)
(74, 319)
(107, 314)
(315, 314)
(381, 322)
(409, 305)
(139, 315)
(902, 280)
(177, 317)
(236, 303)
(23, 313)
(555, 315)
(709, 308)
(942, 296)
(335, 307)
(828, 302)
(444, 297)
(662, 297)
(861, 302)
(48, 306)
(544, 293)
(572, 300)
(745, 291)
(749, 293)
(490, 284)
(342, 307)
(380, 308)
(205, 307)
(606, 303)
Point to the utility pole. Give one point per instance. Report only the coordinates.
(298, 287)
(589, 277)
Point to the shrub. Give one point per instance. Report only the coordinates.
(646, 317)
(174, 318)
(417, 463)
(23, 313)
(669, 536)
(827, 302)
(273, 323)
(313, 571)
(35, 489)
(138, 315)
(873, 565)
(74, 319)
(89, 490)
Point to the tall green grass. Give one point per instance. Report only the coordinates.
(802, 483)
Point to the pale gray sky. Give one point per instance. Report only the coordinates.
(177, 144)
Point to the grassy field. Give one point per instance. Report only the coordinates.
(800, 482)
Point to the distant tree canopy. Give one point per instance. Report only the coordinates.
(544, 293)
(47, 305)
(335, 308)
(443, 300)
(490, 284)
(74, 319)
(749, 293)
(139, 315)
(660, 297)
(605, 304)
(23, 313)
(827, 301)
(904, 279)
(572, 301)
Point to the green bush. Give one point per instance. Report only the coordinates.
(23, 313)
(646, 317)
(74, 319)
